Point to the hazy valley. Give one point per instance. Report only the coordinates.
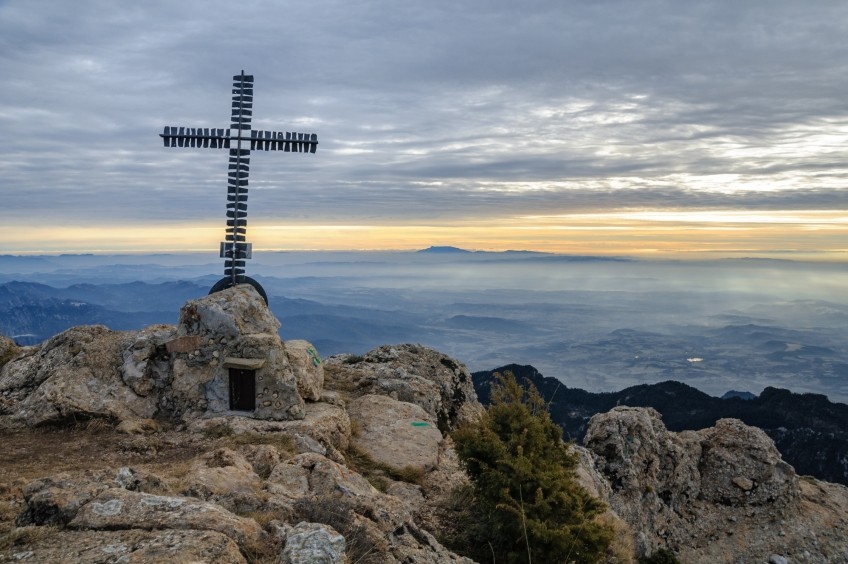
(594, 323)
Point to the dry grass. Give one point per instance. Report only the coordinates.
(22, 536)
(378, 473)
(338, 379)
(9, 354)
(622, 548)
(222, 435)
(355, 428)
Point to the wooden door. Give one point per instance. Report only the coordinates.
(242, 389)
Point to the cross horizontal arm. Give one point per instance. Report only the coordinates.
(286, 141)
(283, 141)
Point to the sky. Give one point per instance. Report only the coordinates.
(651, 128)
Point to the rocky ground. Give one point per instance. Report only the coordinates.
(114, 451)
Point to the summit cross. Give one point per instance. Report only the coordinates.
(240, 139)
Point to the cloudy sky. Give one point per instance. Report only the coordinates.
(645, 127)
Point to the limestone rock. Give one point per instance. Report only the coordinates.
(324, 491)
(229, 314)
(313, 474)
(714, 495)
(741, 466)
(325, 423)
(117, 509)
(145, 366)
(140, 481)
(395, 433)
(414, 374)
(130, 546)
(307, 367)
(227, 478)
(77, 373)
(263, 458)
(410, 494)
(55, 500)
(313, 543)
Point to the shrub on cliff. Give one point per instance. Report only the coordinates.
(528, 506)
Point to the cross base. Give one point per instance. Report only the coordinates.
(227, 282)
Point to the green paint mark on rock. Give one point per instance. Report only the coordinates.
(420, 424)
(313, 354)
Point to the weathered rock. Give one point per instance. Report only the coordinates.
(77, 373)
(145, 367)
(313, 474)
(414, 374)
(263, 458)
(409, 494)
(55, 500)
(313, 543)
(130, 546)
(227, 478)
(715, 495)
(226, 344)
(140, 481)
(307, 367)
(395, 433)
(741, 466)
(327, 424)
(321, 490)
(116, 509)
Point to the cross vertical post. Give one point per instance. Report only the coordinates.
(240, 140)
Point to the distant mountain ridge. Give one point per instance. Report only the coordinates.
(443, 250)
(809, 430)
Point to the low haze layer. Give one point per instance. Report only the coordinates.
(593, 323)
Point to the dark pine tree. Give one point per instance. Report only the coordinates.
(529, 506)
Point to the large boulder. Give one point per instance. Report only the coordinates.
(395, 433)
(116, 509)
(55, 500)
(132, 546)
(76, 374)
(411, 373)
(227, 478)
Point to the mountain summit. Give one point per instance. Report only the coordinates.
(216, 440)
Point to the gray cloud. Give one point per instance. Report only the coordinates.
(424, 110)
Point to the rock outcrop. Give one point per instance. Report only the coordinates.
(713, 495)
(182, 372)
(414, 374)
(76, 374)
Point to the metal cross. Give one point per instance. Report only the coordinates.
(235, 250)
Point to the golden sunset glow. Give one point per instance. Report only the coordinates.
(716, 233)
